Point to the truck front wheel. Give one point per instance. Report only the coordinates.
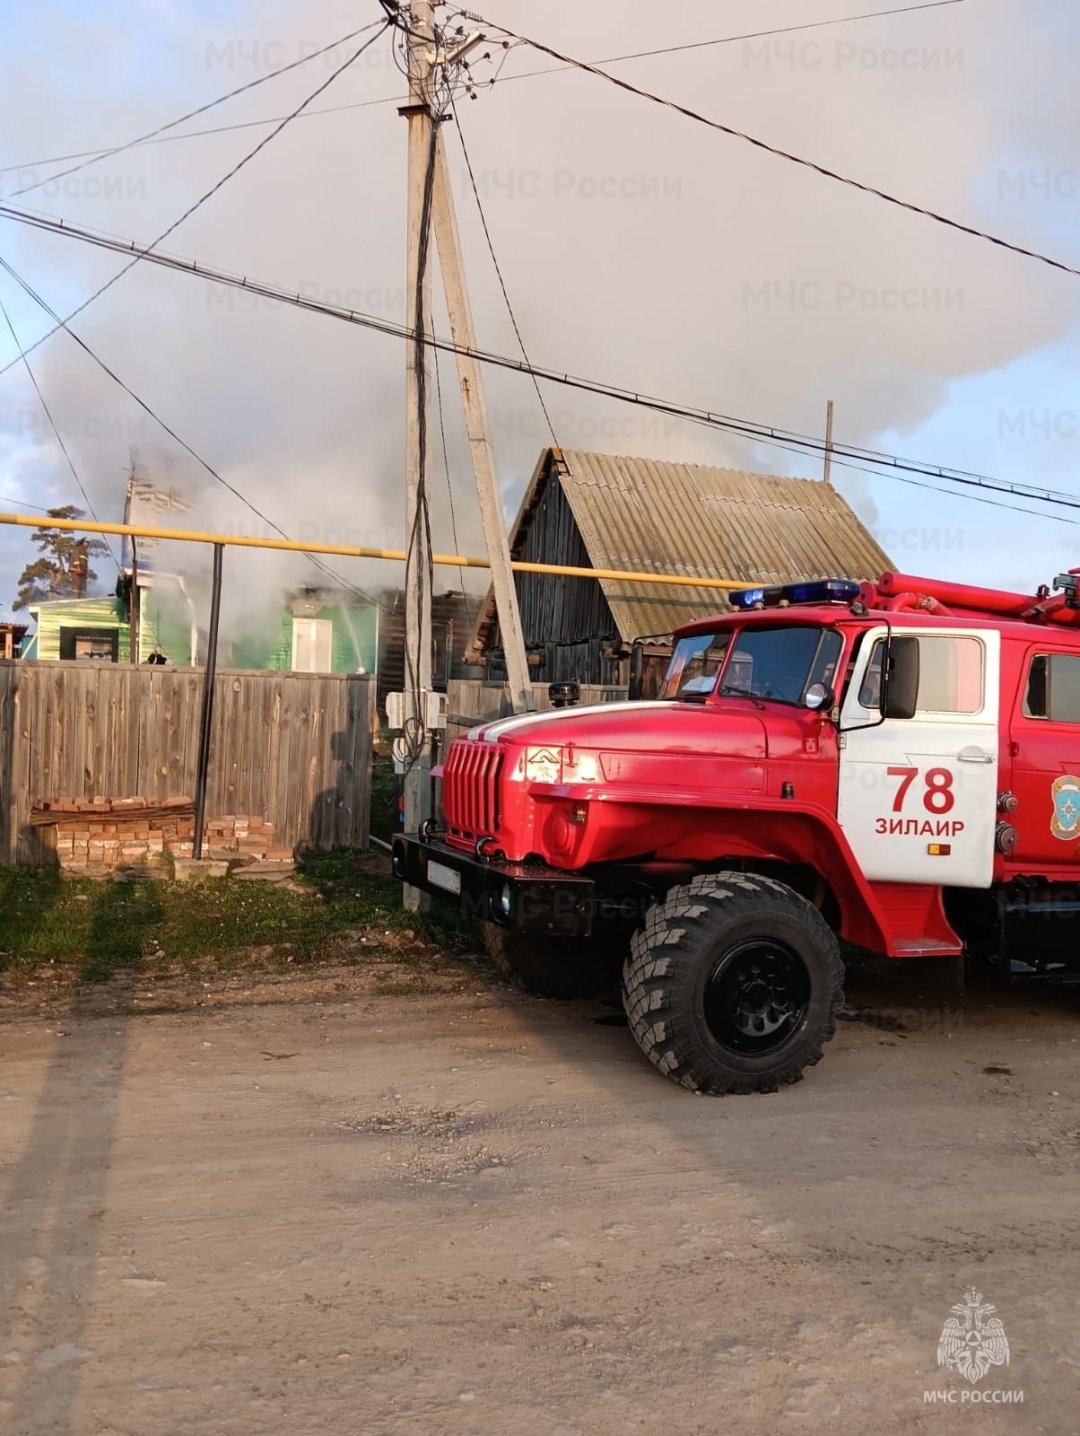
(559, 967)
(734, 984)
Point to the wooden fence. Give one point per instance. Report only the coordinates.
(292, 748)
(469, 702)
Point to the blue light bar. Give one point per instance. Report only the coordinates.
(824, 590)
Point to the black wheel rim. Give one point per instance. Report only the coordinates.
(756, 996)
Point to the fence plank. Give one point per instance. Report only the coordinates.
(361, 714)
(8, 718)
(293, 748)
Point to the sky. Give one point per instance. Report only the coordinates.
(637, 248)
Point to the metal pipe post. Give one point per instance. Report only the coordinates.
(207, 720)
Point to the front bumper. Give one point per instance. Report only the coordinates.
(527, 897)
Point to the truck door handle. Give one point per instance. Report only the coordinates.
(975, 755)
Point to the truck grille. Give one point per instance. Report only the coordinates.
(470, 792)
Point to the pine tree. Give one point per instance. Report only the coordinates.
(63, 568)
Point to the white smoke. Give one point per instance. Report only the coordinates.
(637, 247)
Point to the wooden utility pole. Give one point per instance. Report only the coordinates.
(417, 740)
(828, 442)
(428, 179)
(480, 446)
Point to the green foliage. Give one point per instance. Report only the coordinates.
(63, 569)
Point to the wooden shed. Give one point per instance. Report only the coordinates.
(642, 515)
(11, 637)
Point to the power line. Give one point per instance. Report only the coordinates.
(893, 465)
(750, 35)
(96, 155)
(211, 130)
(62, 324)
(225, 178)
(932, 488)
(779, 153)
(158, 137)
(52, 422)
(22, 504)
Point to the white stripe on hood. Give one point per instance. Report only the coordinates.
(491, 732)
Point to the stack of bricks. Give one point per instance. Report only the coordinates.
(106, 833)
(249, 837)
(115, 832)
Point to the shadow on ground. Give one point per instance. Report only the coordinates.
(56, 1189)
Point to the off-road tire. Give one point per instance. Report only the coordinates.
(557, 967)
(679, 956)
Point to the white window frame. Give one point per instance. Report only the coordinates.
(317, 636)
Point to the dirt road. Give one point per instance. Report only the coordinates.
(331, 1207)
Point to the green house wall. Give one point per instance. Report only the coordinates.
(354, 642)
(163, 623)
(80, 613)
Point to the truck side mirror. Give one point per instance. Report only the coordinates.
(900, 691)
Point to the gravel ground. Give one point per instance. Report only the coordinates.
(342, 1203)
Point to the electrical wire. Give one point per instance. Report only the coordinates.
(158, 137)
(59, 437)
(891, 465)
(213, 130)
(789, 156)
(225, 178)
(62, 324)
(749, 35)
(96, 155)
(932, 488)
(22, 504)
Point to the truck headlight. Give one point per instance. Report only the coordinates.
(504, 902)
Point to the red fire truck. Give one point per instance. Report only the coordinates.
(894, 765)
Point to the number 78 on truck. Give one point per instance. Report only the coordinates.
(833, 766)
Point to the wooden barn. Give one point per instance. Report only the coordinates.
(602, 511)
(453, 620)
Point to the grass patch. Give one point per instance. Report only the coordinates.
(339, 909)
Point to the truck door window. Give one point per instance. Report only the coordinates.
(1053, 688)
(951, 675)
(870, 692)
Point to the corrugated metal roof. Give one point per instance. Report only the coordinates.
(651, 516)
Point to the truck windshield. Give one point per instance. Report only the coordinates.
(782, 663)
(779, 664)
(694, 666)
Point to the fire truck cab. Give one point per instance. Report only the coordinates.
(891, 765)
